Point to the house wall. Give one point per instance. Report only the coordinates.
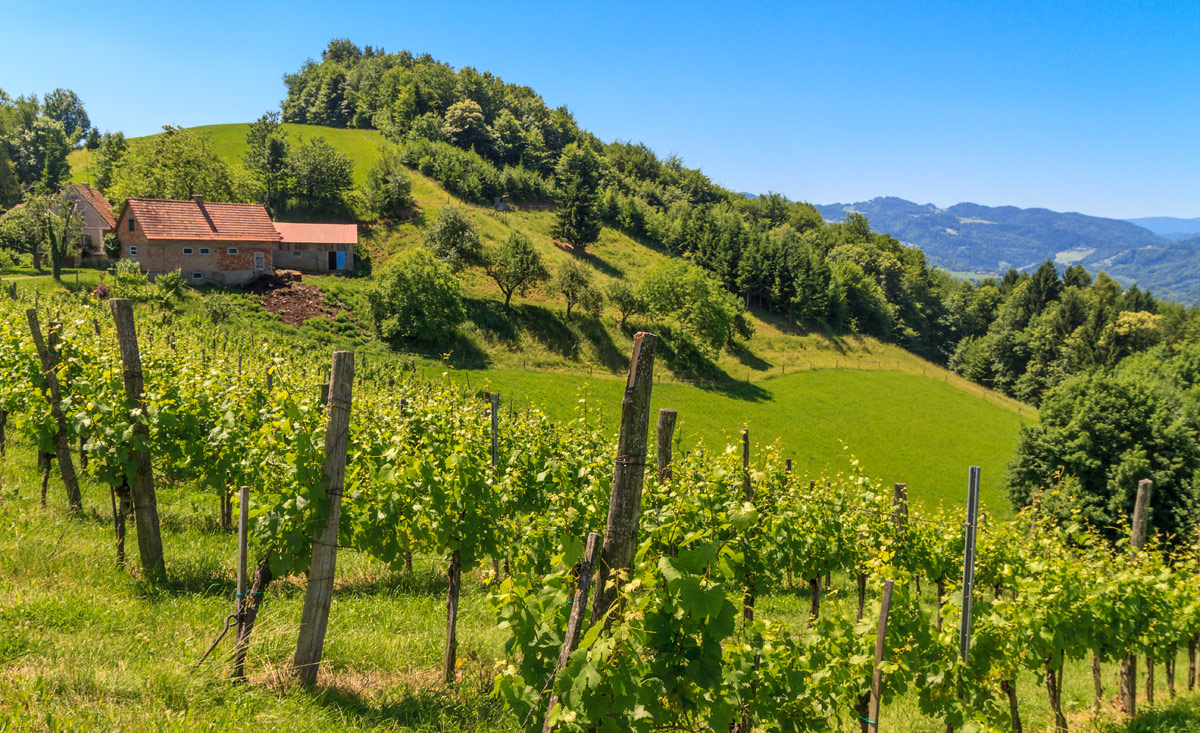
(311, 257)
(218, 266)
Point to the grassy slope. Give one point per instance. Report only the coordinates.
(904, 418)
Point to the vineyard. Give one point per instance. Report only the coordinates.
(627, 577)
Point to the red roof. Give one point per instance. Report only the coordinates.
(297, 233)
(98, 202)
(202, 220)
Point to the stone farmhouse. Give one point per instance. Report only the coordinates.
(227, 244)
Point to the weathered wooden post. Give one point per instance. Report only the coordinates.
(243, 539)
(578, 606)
(62, 442)
(494, 401)
(748, 495)
(870, 721)
(665, 433)
(900, 507)
(145, 501)
(318, 596)
(625, 501)
(1137, 539)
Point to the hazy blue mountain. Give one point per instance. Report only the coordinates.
(979, 239)
(1171, 227)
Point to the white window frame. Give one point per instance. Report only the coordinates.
(197, 275)
(133, 252)
(231, 250)
(188, 250)
(204, 250)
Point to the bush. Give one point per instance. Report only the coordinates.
(112, 246)
(130, 282)
(686, 296)
(416, 299)
(462, 172)
(170, 284)
(218, 308)
(452, 237)
(388, 190)
(101, 292)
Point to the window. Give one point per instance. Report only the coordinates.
(187, 250)
(197, 275)
(86, 241)
(295, 253)
(204, 250)
(133, 253)
(231, 250)
(132, 227)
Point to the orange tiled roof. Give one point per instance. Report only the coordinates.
(203, 220)
(98, 202)
(297, 233)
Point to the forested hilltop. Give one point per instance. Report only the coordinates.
(483, 137)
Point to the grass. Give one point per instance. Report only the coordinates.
(905, 418)
(89, 646)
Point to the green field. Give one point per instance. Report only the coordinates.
(825, 398)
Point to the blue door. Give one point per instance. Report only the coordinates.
(341, 260)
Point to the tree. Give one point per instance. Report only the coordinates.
(515, 265)
(39, 152)
(416, 298)
(321, 175)
(465, 126)
(267, 160)
(65, 107)
(112, 246)
(108, 156)
(388, 190)
(684, 295)
(574, 283)
(176, 164)
(626, 299)
(59, 224)
(19, 233)
(1107, 431)
(452, 237)
(578, 173)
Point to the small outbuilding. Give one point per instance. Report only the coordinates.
(316, 247)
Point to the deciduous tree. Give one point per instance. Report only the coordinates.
(515, 265)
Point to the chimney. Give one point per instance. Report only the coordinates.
(199, 199)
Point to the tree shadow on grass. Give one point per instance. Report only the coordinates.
(748, 358)
(592, 259)
(606, 350)
(693, 365)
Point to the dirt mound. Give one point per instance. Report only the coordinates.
(293, 302)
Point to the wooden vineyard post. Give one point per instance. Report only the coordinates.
(318, 596)
(870, 722)
(748, 495)
(968, 583)
(450, 655)
(900, 507)
(578, 606)
(494, 401)
(62, 442)
(243, 538)
(665, 431)
(625, 501)
(1137, 539)
(145, 501)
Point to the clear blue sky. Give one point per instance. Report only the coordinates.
(1081, 106)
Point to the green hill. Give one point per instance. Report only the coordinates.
(823, 397)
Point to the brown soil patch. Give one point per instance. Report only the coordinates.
(293, 302)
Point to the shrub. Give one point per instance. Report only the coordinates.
(626, 300)
(170, 284)
(452, 237)
(218, 308)
(112, 246)
(130, 282)
(388, 190)
(686, 296)
(416, 298)
(101, 292)
(462, 172)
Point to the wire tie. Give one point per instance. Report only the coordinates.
(869, 722)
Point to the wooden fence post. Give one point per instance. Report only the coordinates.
(900, 507)
(145, 501)
(968, 584)
(665, 431)
(578, 606)
(319, 594)
(494, 401)
(625, 501)
(1137, 539)
(870, 721)
(748, 495)
(62, 442)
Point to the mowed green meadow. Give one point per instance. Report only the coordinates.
(900, 427)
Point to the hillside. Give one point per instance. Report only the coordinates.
(969, 238)
(783, 385)
(1171, 227)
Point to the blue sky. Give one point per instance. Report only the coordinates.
(1080, 106)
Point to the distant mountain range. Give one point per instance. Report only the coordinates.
(984, 240)
(1170, 226)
